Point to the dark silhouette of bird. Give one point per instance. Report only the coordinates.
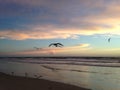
(109, 39)
(37, 48)
(56, 45)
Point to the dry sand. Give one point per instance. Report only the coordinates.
(8, 82)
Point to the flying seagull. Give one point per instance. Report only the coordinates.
(56, 45)
(37, 48)
(109, 39)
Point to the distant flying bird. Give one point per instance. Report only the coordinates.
(56, 45)
(37, 48)
(109, 39)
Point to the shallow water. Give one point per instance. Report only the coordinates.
(95, 74)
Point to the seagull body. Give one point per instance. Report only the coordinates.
(56, 45)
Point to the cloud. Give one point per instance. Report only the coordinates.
(53, 32)
(83, 49)
(45, 19)
(30, 52)
(54, 50)
(80, 48)
(50, 51)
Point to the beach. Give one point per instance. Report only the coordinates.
(8, 82)
(71, 71)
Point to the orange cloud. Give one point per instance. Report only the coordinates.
(54, 32)
(100, 18)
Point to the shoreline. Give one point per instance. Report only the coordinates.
(9, 82)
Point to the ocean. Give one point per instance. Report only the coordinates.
(95, 73)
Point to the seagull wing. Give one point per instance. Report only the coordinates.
(51, 44)
(60, 44)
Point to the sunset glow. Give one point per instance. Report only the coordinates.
(83, 26)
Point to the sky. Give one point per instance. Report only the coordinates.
(82, 26)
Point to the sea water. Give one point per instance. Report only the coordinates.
(93, 73)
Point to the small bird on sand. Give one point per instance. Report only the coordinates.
(109, 39)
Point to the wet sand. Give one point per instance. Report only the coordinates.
(8, 82)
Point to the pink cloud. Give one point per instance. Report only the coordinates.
(50, 51)
(103, 20)
(53, 32)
